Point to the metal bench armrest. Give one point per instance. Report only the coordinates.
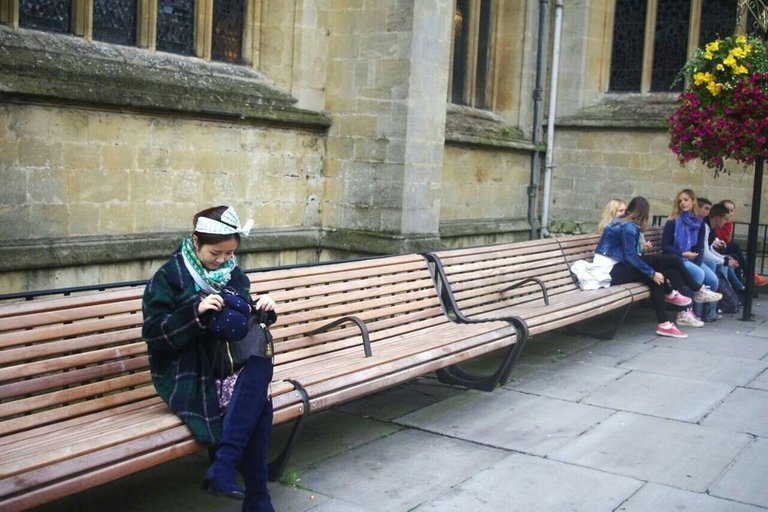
(530, 280)
(345, 319)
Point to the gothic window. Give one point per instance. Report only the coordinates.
(114, 21)
(211, 29)
(652, 39)
(471, 68)
(176, 26)
(227, 41)
(48, 15)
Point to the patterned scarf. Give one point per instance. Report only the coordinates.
(687, 227)
(210, 281)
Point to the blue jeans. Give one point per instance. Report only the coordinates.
(702, 274)
(728, 273)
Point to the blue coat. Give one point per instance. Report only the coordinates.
(620, 241)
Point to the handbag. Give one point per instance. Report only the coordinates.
(229, 355)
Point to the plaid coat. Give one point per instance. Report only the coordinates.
(179, 346)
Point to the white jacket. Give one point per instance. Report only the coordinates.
(591, 276)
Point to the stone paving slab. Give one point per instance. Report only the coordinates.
(734, 371)
(399, 471)
(660, 395)
(742, 346)
(509, 420)
(521, 483)
(760, 330)
(657, 450)
(654, 497)
(610, 353)
(745, 410)
(327, 433)
(557, 344)
(568, 380)
(746, 480)
(400, 400)
(760, 382)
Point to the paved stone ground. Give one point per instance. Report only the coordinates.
(636, 423)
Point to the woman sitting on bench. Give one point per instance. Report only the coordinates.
(179, 300)
(619, 251)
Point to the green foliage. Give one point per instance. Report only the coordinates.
(292, 478)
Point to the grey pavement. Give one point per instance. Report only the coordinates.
(636, 423)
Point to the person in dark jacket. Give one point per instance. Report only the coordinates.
(619, 249)
(233, 414)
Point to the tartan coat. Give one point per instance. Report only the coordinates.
(180, 346)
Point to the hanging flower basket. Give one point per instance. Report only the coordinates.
(723, 115)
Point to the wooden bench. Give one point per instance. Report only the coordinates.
(531, 280)
(77, 407)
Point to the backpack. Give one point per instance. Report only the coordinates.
(730, 301)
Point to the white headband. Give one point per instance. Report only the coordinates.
(228, 225)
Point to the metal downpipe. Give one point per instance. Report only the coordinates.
(551, 118)
(541, 52)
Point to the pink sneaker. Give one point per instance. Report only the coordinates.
(669, 329)
(677, 298)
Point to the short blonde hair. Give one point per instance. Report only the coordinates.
(609, 213)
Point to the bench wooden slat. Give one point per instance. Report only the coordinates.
(94, 459)
(113, 366)
(57, 414)
(92, 477)
(48, 349)
(53, 332)
(37, 306)
(73, 394)
(86, 438)
(64, 316)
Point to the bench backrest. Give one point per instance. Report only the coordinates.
(582, 247)
(480, 276)
(66, 357)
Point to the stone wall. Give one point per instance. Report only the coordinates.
(103, 186)
(594, 165)
(483, 195)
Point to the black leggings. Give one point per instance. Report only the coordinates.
(622, 273)
(673, 269)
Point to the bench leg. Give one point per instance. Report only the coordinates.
(457, 375)
(604, 334)
(277, 466)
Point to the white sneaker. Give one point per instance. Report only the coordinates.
(705, 294)
(688, 318)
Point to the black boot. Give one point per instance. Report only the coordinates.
(243, 412)
(255, 472)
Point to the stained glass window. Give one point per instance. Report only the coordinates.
(227, 44)
(460, 44)
(627, 56)
(483, 55)
(671, 43)
(176, 26)
(114, 21)
(49, 15)
(718, 20)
